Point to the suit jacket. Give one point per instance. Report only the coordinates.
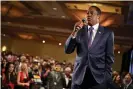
(55, 82)
(99, 57)
(129, 87)
(126, 61)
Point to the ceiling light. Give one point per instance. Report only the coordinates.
(26, 36)
(4, 34)
(8, 22)
(94, 4)
(59, 43)
(4, 48)
(119, 52)
(55, 9)
(43, 41)
(63, 16)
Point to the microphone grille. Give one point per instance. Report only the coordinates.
(84, 20)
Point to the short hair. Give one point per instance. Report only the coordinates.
(129, 75)
(97, 9)
(48, 66)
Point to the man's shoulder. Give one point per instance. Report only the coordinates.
(107, 30)
(131, 86)
(52, 72)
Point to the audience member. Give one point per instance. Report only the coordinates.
(9, 78)
(68, 77)
(29, 72)
(117, 81)
(23, 77)
(127, 82)
(56, 79)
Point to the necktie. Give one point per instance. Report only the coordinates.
(90, 36)
(131, 63)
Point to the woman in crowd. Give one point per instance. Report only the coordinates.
(9, 80)
(23, 77)
(117, 81)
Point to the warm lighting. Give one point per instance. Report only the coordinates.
(8, 22)
(43, 41)
(4, 48)
(116, 47)
(26, 36)
(94, 4)
(4, 34)
(103, 7)
(108, 22)
(4, 9)
(15, 12)
(59, 43)
(63, 16)
(55, 9)
(119, 52)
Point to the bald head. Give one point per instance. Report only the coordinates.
(67, 69)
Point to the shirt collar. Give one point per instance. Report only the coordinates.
(129, 83)
(94, 26)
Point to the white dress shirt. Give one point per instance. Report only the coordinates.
(94, 31)
(67, 80)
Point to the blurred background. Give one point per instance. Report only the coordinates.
(40, 28)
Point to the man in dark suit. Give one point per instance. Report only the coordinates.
(127, 82)
(68, 78)
(127, 61)
(56, 79)
(95, 56)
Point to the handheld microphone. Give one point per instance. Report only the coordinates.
(79, 25)
(84, 20)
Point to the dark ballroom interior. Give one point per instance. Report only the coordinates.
(36, 32)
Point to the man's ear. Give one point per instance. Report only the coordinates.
(98, 16)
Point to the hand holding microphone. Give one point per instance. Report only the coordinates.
(78, 26)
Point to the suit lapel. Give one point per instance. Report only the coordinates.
(85, 37)
(97, 36)
(58, 77)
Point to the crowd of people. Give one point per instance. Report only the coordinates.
(122, 80)
(28, 72)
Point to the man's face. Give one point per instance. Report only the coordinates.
(67, 72)
(127, 79)
(92, 16)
